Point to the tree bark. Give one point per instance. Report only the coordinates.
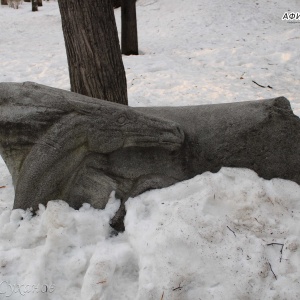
(129, 38)
(3, 2)
(34, 5)
(116, 3)
(27, 0)
(93, 51)
(40, 2)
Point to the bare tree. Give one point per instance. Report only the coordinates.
(40, 2)
(3, 2)
(129, 40)
(93, 51)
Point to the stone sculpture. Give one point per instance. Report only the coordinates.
(62, 145)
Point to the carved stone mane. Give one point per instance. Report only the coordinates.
(62, 145)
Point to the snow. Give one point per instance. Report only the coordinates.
(209, 236)
(229, 235)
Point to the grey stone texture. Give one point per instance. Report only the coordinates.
(62, 145)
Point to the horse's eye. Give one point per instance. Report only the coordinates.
(121, 119)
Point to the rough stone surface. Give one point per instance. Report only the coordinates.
(61, 145)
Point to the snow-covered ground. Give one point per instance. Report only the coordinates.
(230, 235)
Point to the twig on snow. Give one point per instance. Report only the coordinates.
(272, 270)
(281, 250)
(258, 84)
(262, 86)
(178, 288)
(231, 230)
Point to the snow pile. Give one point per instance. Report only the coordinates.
(52, 249)
(230, 235)
(218, 236)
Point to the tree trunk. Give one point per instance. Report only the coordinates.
(40, 2)
(129, 28)
(93, 51)
(116, 3)
(27, 0)
(3, 2)
(34, 5)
